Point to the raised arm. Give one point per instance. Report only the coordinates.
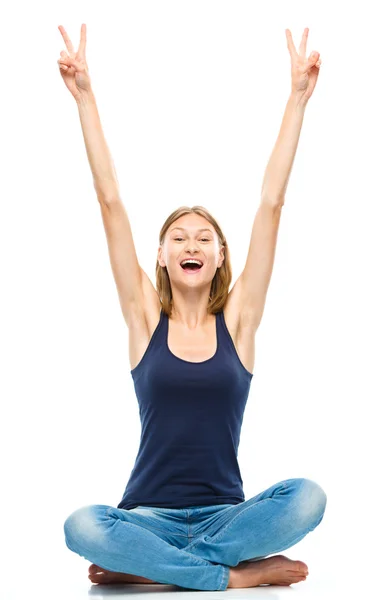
(251, 287)
(133, 285)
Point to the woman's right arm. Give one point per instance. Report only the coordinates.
(127, 272)
(131, 281)
(104, 175)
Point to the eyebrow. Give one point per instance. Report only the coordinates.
(203, 229)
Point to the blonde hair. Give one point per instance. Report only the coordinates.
(222, 279)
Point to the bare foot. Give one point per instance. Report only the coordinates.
(99, 575)
(275, 570)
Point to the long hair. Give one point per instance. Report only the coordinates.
(221, 281)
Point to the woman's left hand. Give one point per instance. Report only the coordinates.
(304, 70)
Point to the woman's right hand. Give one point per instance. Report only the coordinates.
(73, 67)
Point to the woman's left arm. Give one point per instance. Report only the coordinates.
(304, 73)
(252, 285)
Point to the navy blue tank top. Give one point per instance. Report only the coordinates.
(191, 416)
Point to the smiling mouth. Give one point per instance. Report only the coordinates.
(191, 269)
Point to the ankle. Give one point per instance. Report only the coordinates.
(232, 577)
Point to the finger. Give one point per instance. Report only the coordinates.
(291, 47)
(68, 42)
(304, 39)
(82, 46)
(62, 66)
(71, 62)
(312, 60)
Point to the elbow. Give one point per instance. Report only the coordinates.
(273, 201)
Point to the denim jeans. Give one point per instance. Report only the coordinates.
(195, 547)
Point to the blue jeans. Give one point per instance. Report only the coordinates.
(195, 547)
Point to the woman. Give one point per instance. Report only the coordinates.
(183, 519)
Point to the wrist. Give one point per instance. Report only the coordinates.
(298, 100)
(85, 98)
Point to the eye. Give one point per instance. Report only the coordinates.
(202, 239)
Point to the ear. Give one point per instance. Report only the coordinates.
(222, 256)
(159, 256)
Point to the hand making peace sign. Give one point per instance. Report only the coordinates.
(304, 71)
(73, 67)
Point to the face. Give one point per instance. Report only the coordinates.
(191, 236)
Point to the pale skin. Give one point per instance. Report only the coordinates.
(190, 303)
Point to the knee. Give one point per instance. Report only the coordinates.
(312, 502)
(82, 526)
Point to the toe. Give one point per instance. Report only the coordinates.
(303, 566)
(94, 568)
(97, 578)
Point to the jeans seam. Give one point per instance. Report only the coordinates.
(224, 569)
(193, 544)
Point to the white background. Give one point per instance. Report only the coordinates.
(191, 97)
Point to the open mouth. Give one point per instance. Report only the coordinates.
(191, 267)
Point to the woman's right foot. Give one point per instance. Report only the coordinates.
(99, 575)
(275, 570)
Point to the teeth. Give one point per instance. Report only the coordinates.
(191, 260)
